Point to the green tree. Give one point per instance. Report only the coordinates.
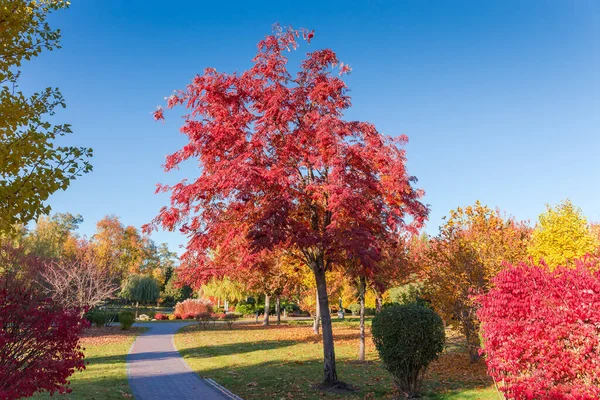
(562, 234)
(175, 292)
(140, 289)
(32, 165)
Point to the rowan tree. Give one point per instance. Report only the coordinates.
(33, 165)
(469, 251)
(562, 235)
(280, 167)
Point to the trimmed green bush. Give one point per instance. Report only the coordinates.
(408, 338)
(126, 319)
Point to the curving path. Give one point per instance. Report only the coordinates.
(156, 370)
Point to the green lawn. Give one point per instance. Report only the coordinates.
(284, 362)
(105, 377)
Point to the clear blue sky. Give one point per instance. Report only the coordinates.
(500, 99)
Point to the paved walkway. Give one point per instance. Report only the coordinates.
(157, 371)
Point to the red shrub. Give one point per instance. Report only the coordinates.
(541, 332)
(193, 306)
(39, 341)
(188, 316)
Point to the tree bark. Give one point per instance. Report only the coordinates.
(378, 302)
(317, 321)
(278, 310)
(267, 305)
(329, 370)
(362, 287)
(137, 305)
(226, 305)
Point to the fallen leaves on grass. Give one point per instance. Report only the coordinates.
(107, 335)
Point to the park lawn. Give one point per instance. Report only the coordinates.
(105, 376)
(284, 362)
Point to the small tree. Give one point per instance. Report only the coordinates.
(408, 338)
(464, 258)
(562, 236)
(541, 332)
(139, 288)
(78, 282)
(39, 341)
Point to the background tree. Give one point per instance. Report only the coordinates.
(52, 237)
(224, 289)
(33, 165)
(562, 235)
(79, 281)
(140, 289)
(175, 291)
(469, 251)
(281, 168)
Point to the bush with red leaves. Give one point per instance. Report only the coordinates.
(193, 307)
(39, 341)
(541, 332)
(161, 317)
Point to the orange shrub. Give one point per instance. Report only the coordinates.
(193, 307)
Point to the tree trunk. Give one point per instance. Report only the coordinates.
(378, 302)
(329, 370)
(267, 305)
(278, 310)
(317, 320)
(137, 305)
(218, 303)
(362, 287)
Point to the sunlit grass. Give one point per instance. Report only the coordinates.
(105, 376)
(286, 361)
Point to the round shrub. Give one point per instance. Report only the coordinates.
(126, 319)
(408, 338)
(97, 317)
(172, 317)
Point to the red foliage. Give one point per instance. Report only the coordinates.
(39, 341)
(541, 332)
(192, 307)
(279, 166)
(161, 317)
(188, 316)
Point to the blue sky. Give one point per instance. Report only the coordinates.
(500, 99)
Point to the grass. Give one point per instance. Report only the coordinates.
(284, 362)
(105, 376)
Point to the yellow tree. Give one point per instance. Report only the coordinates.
(464, 257)
(562, 235)
(33, 165)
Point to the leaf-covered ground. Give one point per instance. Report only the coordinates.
(105, 376)
(284, 362)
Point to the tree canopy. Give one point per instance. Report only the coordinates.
(33, 165)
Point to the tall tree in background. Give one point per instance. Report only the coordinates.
(562, 235)
(53, 237)
(281, 168)
(32, 165)
(470, 250)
